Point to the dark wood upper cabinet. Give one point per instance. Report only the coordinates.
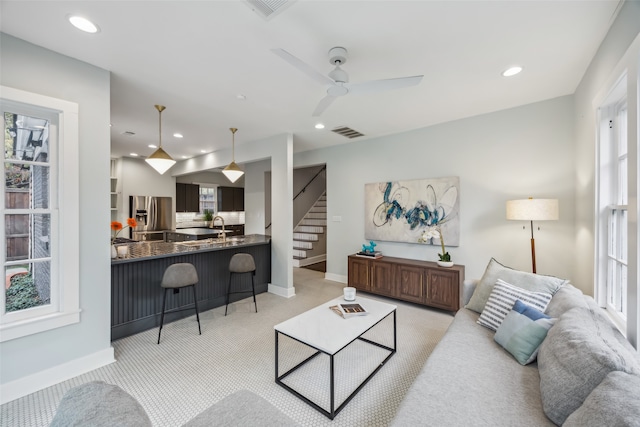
(230, 199)
(187, 197)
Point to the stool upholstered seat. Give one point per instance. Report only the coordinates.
(240, 264)
(177, 276)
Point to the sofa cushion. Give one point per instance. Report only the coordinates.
(614, 402)
(566, 298)
(242, 408)
(501, 301)
(579, 352)
(521, 279)
(99, 404)
(522, 332)
(469, 380)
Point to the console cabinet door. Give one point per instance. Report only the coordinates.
(359, 273)
(411, 283)
(443, 290)
(382, 280)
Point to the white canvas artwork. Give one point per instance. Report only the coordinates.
(400, 211)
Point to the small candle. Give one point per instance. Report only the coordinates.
(123, 251)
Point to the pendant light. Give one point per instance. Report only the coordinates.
(233, 172)
(160, 160)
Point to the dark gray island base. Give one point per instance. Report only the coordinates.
(136, 295)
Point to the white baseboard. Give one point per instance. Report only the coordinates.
(282, 292)
(336, 278)
(43, 379)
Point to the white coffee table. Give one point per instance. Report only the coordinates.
(322, 329)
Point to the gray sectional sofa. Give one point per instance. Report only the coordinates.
(586, 374)
(97, 403)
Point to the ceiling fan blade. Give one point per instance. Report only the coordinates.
(302, 66)
(382, 85)
(323, 105)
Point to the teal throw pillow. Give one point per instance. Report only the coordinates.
(522, 332)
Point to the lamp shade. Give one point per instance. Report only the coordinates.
(160, 161)
(232, 172)
(533, 209)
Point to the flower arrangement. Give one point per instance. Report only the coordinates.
(435, 232)
(117, 227)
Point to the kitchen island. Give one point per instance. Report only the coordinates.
(136, 295)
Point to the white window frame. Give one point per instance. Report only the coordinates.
(64, 308)
(612, 242)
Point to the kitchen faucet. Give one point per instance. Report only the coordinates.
(224, 233)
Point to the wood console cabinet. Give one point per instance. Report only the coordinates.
(410, 280)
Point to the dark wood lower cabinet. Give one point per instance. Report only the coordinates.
(421, 282)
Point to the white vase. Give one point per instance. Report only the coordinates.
(445, 263)
(114, 252)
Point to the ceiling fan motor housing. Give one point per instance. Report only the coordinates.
(337, 55)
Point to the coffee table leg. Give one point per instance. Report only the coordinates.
(276, 356)
(332, 396)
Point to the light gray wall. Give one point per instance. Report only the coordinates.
(623, 32)
(254, 196)
(510, 154)
(140, 179)
(34, 69)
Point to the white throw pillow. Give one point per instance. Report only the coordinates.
(501, 300)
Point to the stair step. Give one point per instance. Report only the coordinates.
(307, 237)
(318, 209)
(322, 222)
(299, 244)
(299, 254)
(309, 229)
(316, 215)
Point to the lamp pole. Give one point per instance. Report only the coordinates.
(533, 249)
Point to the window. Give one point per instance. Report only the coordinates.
(39, 134)
(208, 199)
(612, 204)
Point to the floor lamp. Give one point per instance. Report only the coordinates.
(532, 210)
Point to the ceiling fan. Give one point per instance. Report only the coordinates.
(338, 79)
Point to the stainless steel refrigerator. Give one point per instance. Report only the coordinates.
(153, 215)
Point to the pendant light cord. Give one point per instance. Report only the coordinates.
(160, 109)
(233, 143)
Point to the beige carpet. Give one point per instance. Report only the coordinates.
(186, 373)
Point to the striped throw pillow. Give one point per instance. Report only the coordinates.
(501, 300)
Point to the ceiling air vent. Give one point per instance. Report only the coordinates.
(268, 8)
(347, 132)
(128, 133)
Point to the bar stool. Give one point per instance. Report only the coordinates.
(241, 264)
(177, 276)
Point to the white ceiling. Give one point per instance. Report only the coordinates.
(195, 57)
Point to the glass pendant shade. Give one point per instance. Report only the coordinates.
(160, 160)
(233, 172)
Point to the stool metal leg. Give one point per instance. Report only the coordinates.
(195, 302)
(253, 289)
(164, 300)
(228, 291)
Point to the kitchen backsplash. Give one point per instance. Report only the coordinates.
(193, 219)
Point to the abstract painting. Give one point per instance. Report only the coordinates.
(400, 211)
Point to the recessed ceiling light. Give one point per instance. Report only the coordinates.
(133, 154)
(152, 146)
(512, 71)
(83, 24)
(185, 157)
(203, 151)
(319, 126)
(178, 135)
